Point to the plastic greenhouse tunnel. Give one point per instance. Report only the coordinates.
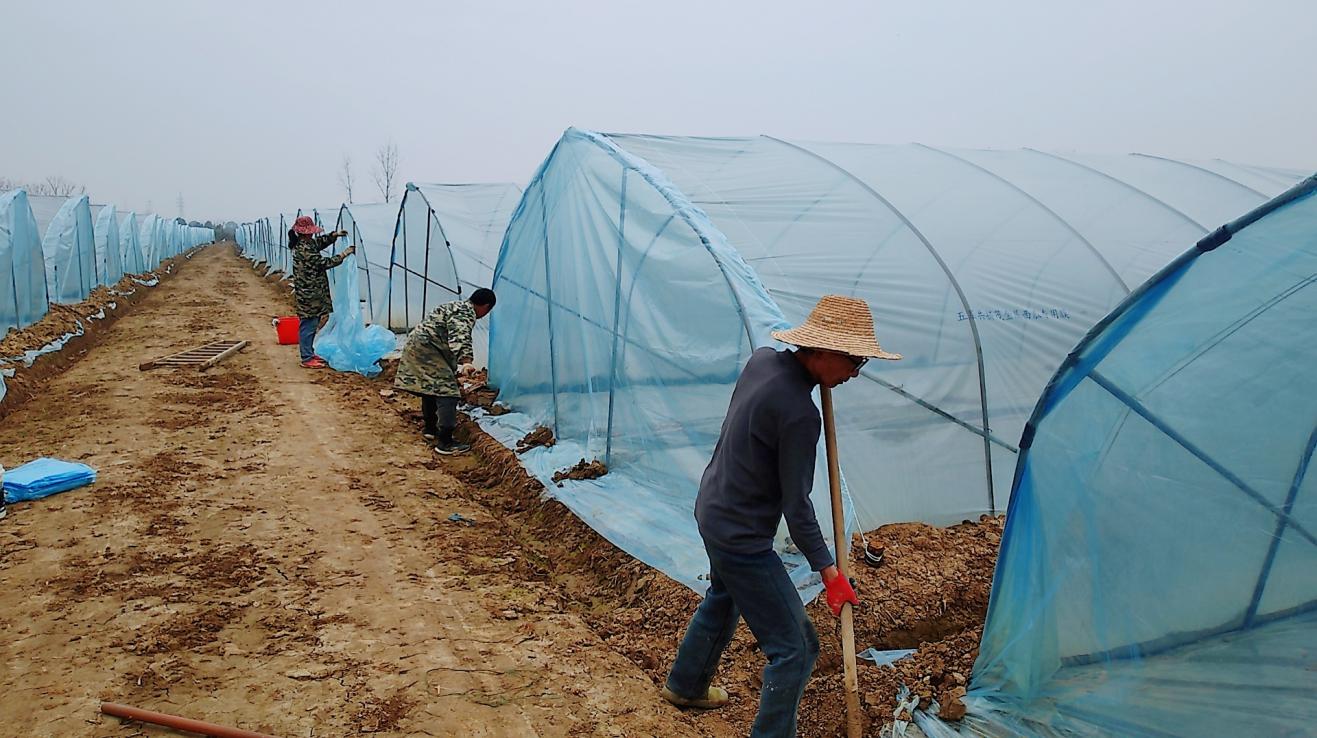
(130, 241)
(22, 268)
(639, 272)
(68, 246)
(109, 257)
(446, 245)
(1156, 574)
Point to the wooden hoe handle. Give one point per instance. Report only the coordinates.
(854, 718)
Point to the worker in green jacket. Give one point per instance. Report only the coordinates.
(437, 352)
(311, 284)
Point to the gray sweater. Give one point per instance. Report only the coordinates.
(763, 466)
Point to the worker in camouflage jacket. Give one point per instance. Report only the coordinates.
(438, 351)
(311, 283)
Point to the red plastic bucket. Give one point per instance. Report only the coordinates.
(286, 327)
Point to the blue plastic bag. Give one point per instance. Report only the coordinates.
(45, 477)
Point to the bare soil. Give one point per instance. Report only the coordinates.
(271, 548)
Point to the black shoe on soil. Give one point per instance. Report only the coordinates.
(429, 434)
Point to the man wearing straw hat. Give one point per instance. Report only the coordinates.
(763, 471)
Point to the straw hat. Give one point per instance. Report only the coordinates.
(305, 226)
(838, 324)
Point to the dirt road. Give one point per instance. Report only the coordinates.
(260, 552)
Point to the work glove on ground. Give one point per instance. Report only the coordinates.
(839, 591)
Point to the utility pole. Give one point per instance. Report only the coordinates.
(181, 214)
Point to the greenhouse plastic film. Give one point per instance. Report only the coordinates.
(346, 342)
(623, 328)
(1156, 572)
(626, 311)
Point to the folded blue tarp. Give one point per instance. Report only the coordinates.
(44, 477)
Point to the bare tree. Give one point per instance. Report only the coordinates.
(61, 187)
(386, 169)
(345, 177)
(54, 186)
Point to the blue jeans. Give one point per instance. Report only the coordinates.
(756, 587)
(306, 335)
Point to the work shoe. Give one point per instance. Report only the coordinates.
(429, 434)
(451, 449)
(713, 698)
(315, 362)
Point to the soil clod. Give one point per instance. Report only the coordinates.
(581, 471)
(540, 437)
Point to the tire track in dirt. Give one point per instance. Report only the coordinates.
(262, 551)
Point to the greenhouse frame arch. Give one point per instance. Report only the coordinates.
(445, 246)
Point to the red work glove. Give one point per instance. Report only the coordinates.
(839, 591)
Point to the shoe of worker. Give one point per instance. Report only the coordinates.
(713, 698)
(315, 362)
(451, 449)
(429, 434)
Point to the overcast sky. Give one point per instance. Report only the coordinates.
(248, 108)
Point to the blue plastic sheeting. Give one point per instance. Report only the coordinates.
(109, 256)
(68, 243)
(23, 299)
(1156, 575)
(45, 477)
(347, 344)
(884, 658)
